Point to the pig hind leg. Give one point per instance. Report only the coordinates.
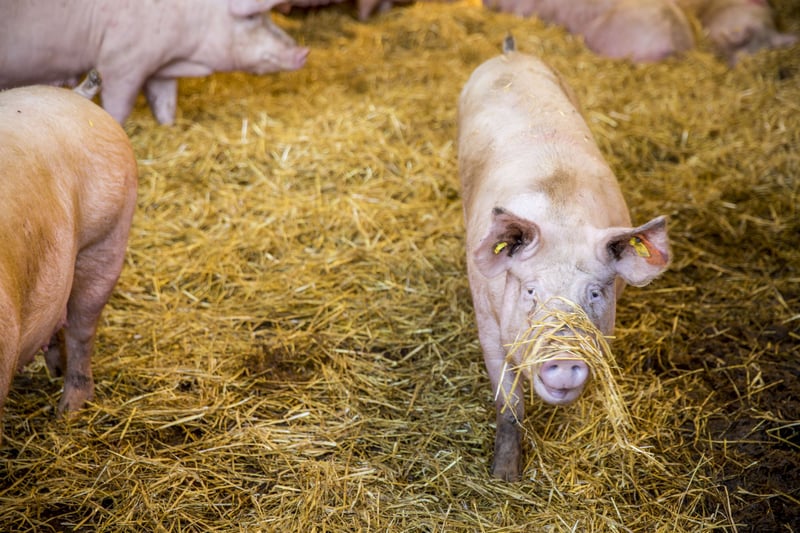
(96, 271)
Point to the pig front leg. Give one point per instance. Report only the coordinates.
(162, 97)
(508, 440)
(510, 411)
(118, 95)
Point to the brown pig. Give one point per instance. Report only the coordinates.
(545, 220)
(67, 197)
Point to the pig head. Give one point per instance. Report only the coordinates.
(68, 181)
(140, 45)
(545, 222)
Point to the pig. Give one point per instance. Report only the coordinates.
(640, 30)
(652, 30)
(546, 223)
(67, 197)
(140, 44)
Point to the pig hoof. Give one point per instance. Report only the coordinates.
(77, 391)
(504, 473)
(507, 451)
(72, 402)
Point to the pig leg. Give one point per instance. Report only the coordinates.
(96, 271)
(508, 440)
(118, 96)
(9, 345)
(510, 407)
(54, 355)
(162, 97)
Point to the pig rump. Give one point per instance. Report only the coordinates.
(67, 194)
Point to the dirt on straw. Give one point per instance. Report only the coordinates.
(291, 346)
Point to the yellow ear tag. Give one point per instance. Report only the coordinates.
(499, 247)
(640, 247)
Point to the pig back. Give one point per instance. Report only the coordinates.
(68, 177)
(519, 126)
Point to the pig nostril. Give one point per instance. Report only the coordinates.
(564, 374)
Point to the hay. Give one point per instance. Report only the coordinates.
(291, 346)
(563, 330)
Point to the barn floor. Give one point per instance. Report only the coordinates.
(291, 346)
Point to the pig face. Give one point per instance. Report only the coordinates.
(261, 47)
(546, 266)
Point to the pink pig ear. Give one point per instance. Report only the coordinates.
(246, 8)
(510, 238)
(639, 255)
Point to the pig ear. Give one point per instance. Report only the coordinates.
(246, 8)
(638, 255)
(510, 238)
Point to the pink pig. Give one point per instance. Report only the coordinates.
(67, 195)
(545, 219)
(140, 44)
(651, 30)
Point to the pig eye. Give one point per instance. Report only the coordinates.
(529, 293)
(595, 293)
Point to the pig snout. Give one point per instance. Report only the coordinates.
(297, 58)
(287, 57)
(561, 381)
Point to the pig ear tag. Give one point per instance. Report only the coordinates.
(499, 247)
(639, 245)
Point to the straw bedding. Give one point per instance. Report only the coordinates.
(291, 346)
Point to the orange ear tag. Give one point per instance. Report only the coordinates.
(499, 247)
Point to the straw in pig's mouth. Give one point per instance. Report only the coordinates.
(566, 331)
